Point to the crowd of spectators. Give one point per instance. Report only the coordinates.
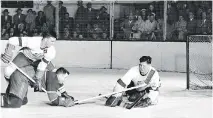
(188, 18)
(141, 24)
(88, 23)
(31, 24)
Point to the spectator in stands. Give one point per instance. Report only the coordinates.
(62, 10)
(44, 28)
(40, 20)
(20, 29)
(160, 28)
(89, 13)
(35, 32)
(88, 30)
(137, 14)
(142, 26)
(191, 24)
(80, 37)
(6, 17)
(118, 32)
(74, 35)
(7, 27)
(191, 6)
(171, 14)
(95, 36)
(30, 20)
(104, 18)
(127, 25)
(183, 10)
(96, 30)
(18, 18)
(66, 34)
(6, 36)
(11, 33)
(143, 14)
(49, 12)
(138, 24)
(204, 25)
(209, 14)
(105, 36)
(151, 10)
(68, 22)
(199, 13)
(77, 29)
(150, 27)
(3, 31)
(80, 16)
(180, 28)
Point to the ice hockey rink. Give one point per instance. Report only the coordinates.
(85, 81)
(174, 101)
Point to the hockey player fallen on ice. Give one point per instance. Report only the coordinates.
(143, 74)
(55, 88)
(34, 58)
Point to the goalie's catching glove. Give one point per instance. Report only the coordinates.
(64, 94)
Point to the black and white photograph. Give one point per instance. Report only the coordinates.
(106, 59)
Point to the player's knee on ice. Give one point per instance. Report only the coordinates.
(11, 101)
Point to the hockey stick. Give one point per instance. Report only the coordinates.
(108, 94)
(32, 80)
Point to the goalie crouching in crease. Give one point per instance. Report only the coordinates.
(144, 75)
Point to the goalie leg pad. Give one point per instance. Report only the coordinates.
(10, 101)
(144, 103)
(113, 101)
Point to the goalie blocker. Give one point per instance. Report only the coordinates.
(143, 74)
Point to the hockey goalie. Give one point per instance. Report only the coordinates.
(143, 75)
(34, 58)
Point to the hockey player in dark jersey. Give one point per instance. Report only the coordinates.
(54, 84)
(55, 88)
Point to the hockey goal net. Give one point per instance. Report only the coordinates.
(199, 62)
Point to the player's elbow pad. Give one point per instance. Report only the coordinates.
(14, 41)
(42, 65)
(50, 54)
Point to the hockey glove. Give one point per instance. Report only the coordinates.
(37, 86)
(64, 94)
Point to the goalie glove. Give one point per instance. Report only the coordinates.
(66, 102)
(64, 94)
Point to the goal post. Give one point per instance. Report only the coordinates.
(199, 62)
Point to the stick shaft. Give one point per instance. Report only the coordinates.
(108, 94)
(26, 75)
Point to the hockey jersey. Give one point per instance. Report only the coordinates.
(53, 87)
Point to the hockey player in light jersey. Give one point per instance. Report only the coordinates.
(34, 58)
(143, 74)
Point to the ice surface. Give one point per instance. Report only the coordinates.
(174, 100)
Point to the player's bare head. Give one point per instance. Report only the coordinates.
(47, 41)
(62, 74)
(145, 63)
(146, 59)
